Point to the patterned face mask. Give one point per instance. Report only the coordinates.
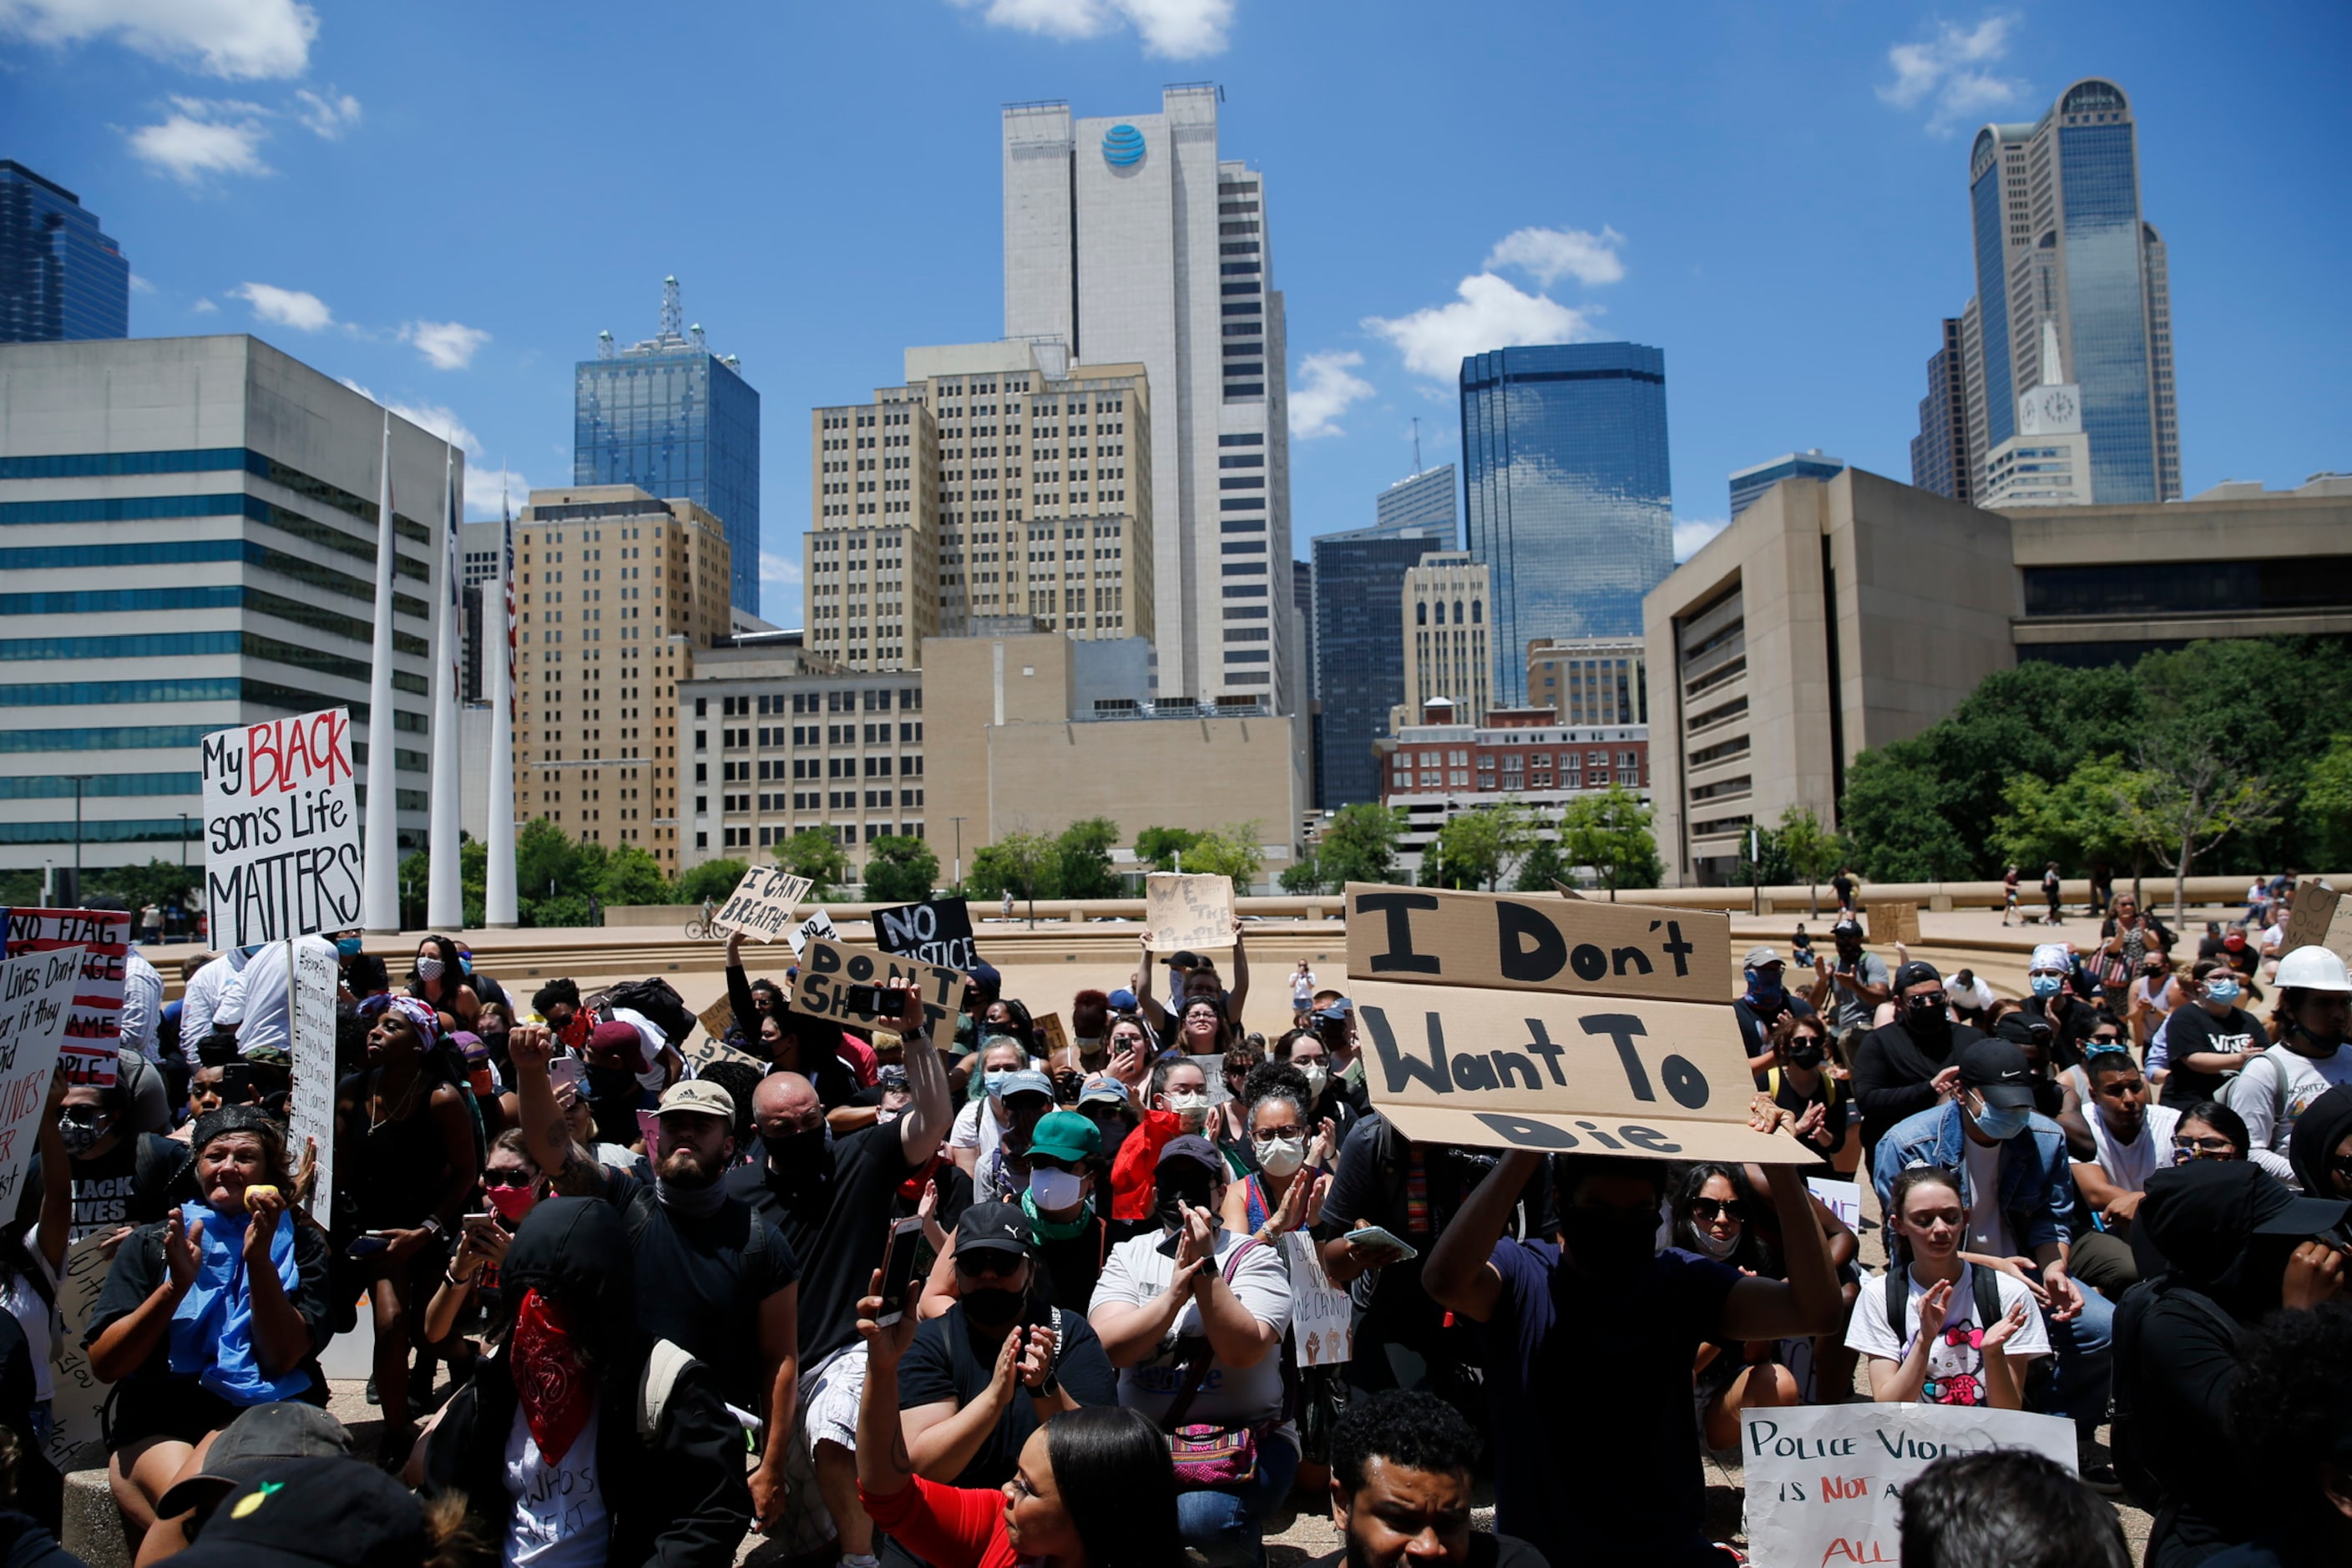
(551, 1376)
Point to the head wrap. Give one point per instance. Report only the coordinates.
(421, 1014)
(212, 1124)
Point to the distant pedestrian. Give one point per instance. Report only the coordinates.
(151, 924)
(1842, 886)
(2009, 895)
(2049, 886)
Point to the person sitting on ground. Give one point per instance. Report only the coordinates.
(1180, 1105)
(1803, 1081)
(1327, 1097)
(2311, 1056)
(1091, 1487)
(470, 1293)
(1909, 1066)
(119, 1177)
(999, 1362)
(587, 1439)
(1966, 1334)
(222, 1304)
(980, 1125)
(1194, 1319)
(1849, 991)
(2287, 1412)
(2006, 1507)
(2134, 1141)
(1290, 1160)
(1710, 1219)
(2205, 1040)
(1761, 1009)
(1402, 1489)
(440, 982)
(2321, 1152)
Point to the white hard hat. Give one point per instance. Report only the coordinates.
(2312, 968)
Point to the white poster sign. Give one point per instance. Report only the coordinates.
(1322, 1320)
(311, 1112)
(1184, 912)
(281, 829)
(93, 1036)
(36, 997)
(762, 904)
(819, 924)
(1826, 1483)
(76, 1441)
(1842, 1199)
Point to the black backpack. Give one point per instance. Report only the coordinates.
(658, 1000)
(1984, 1285)
(2129, 1445)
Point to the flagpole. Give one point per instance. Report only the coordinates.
(380, 865)
(445, 897)
(499, 908)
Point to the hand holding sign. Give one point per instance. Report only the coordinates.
(762, 903)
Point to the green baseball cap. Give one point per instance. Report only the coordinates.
(1065, 1135)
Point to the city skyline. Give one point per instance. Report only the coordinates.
(237, 180)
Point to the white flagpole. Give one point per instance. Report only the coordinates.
(380, 879)
(445, 897)
(499, 906)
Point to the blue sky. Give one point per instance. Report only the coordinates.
(445, 202)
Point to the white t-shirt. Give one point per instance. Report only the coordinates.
(257, 999)
(975, 1127)
(558, 1519)
(24, 1303)
(1137, 1270)
(2270, 1111)
(200, 997)
(1955, 1361)
(1987, 1226)
(2128, 1165)
(1302, 991)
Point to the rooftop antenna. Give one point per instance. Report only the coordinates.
(605, 343)
(673, 315)
(1416, 446)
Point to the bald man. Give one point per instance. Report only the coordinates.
(834, 1196)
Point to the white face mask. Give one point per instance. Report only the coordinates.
(1317, 1076)
(1281, 1156)
(1192, 1105)
(1711, 1247)
(1056, 1190)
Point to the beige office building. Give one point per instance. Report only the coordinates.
(614, 591)
(1590, 680)
(1445, 603)
(1837, 614)
(998, 480)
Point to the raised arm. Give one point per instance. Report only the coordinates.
(1808, 1301)
(926, 1121)
(1154, 1016)
(1459, 1271)
(885, 1467)
(1238, 993)
(544, 1126)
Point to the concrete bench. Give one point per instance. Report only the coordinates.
(92, 1527)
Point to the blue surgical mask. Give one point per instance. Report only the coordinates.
(994, 1082)
(347, 946)
(2046, 985)
(2221, 990)
(2000, 1124)
(465, 963)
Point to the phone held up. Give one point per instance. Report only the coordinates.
(900, 1268)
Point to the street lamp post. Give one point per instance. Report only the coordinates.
(79, 781)
(959, 853)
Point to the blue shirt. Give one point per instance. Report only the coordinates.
(2037, 1179)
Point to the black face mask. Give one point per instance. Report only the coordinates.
(1806, 1055)
(613, 1083)
(993, 1306)
(1607, 1243)
(797, 1153)
(1928, 1025)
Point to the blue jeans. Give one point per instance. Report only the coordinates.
(2085, 1354)
(1224, 1522)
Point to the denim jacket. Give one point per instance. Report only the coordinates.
(2037, 1179)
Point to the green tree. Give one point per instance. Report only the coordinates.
(1359, 844)
(1765, 863)
(900, 870)
(1230, 851)
(812, 853)
(1476, 848)
(1812, 851)
(1541, 868)
(713, 879)
(2191, 801)
(2328, 803)
(1894, 807)
(1018, 863)
(1304, 875)
(1082, 859)
(546, 860)
(1162, 848)
(1608, 830)
(631, 875)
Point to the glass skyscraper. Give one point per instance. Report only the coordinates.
(60, 278)
(680, 423)
(1359, 650)
(1568, 496)
(1424, 499)
(2056, 228)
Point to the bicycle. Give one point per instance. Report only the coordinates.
(703, 930)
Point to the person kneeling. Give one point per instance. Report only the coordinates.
(1401, 1488)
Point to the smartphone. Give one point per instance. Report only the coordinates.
(872, 1000)
(567, 1072)
(1374, 1236)
(485, 1217)
(900, 1257)
(367, 1245)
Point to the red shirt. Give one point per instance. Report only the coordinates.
(1132, 1172)
(948, 1526)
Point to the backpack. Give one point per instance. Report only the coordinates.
(1772, 1085)
(654, 1385)
(2129, 1444)
(1984, 1285)
(658, 1000)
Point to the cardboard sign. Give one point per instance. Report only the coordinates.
(1050, 1033)
(281, 829)
(829, 968)
(1553, 1073)
(76, 1441)
(310, 1109)
(2315, 921)
(762, 903)
(1424, 936)
(36, 1001)
(938, 931)
(718, 1018)
(1826, 1483)
(1186, 913)
(1842, 1199)
(819, 924)
(1322, 1319)
(93, 1036)
(1892, 923)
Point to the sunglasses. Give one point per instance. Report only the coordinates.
(1925, 1001)
(2099, 1044)
(2204, 1148)
(990, 1264)
(508, 1178)
(1708, 1210)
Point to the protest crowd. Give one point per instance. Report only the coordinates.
(936, 1282)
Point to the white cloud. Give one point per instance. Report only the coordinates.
(204, 308)
(448, 345)
(784, 570)
(1489, 314)
(331, 115)
(238, 39)
(488, 487)
(286, 307)
(1324, 392)
(139, 285)
(1548, 254)
(1170, 29)
(1689, 537)
(1948, 73)
(201, 137)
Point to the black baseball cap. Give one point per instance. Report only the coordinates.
(1847, 928)
(993, 1227)
(1192, 1146)
(1918, 972)
(2023, 1028)
(304, 1513)
(261, 1436)
(1997, 1069)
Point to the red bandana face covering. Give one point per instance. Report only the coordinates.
(551, 1376)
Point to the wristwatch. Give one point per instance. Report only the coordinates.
(1050, 1387)
(431, 1226)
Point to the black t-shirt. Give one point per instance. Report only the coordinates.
(1838, 1098)
(138, 1268)
(125, 1186)
(1067, 1270)
(1892, 1074)
(949, 1360)
(701, 1281)
(1844, 888)
(2191, 1029)
(836, 1227)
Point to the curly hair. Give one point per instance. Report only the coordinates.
(1408, 1428)
(2288, 1411)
